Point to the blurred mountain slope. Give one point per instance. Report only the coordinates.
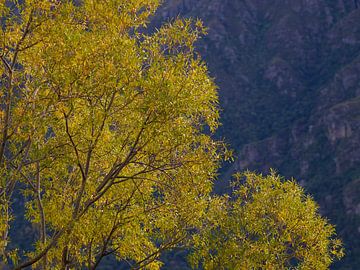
(288, 73)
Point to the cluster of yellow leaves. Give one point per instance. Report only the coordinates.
(268, 224)
(114, 160)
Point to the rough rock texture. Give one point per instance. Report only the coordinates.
(289, 79)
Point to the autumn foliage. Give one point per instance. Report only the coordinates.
(102, 131)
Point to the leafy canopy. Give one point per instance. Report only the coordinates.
(268, 223)
(103, 128)
(102, 131)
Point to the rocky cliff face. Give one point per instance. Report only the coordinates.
(289, 78)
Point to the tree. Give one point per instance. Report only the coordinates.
(267, 224)
(102, 131)
(105, 132)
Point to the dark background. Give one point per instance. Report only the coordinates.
(288, 73)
